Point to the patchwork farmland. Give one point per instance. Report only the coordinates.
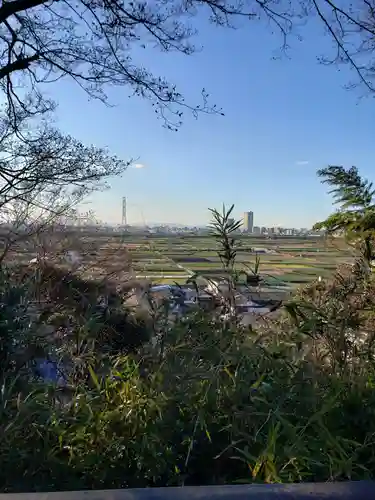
(174, 258)
(288, 261)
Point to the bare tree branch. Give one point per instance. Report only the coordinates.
(44, 177)
(95, 43)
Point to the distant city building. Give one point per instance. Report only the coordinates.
(248, 221)
(256, 230)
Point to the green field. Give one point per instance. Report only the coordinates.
(289, 260)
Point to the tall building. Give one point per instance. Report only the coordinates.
(248, 221)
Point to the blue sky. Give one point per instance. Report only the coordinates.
(284, 119)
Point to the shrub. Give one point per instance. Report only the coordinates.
(215, 404)
(208, 402)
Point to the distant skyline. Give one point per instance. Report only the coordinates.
(142, 221)
(284, 119)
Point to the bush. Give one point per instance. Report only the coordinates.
(207, 402)
(212, 403)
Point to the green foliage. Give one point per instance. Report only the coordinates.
(252, 273)
(349, 189)
(222, 229)
(356, 216)
(17, 333)
(220, 407)
(209, 402)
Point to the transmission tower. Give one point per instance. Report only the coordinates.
(124, 220)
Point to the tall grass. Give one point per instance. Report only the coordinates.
(211, 402)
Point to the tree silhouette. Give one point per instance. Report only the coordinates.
(97, 42)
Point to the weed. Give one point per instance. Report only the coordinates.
(211, 403)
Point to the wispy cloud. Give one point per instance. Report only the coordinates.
(302, 162)
(137, 165)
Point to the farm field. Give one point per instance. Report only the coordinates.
(289, 261)
(173, 259)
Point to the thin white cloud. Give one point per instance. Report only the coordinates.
(302, 162)
(137, 165)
